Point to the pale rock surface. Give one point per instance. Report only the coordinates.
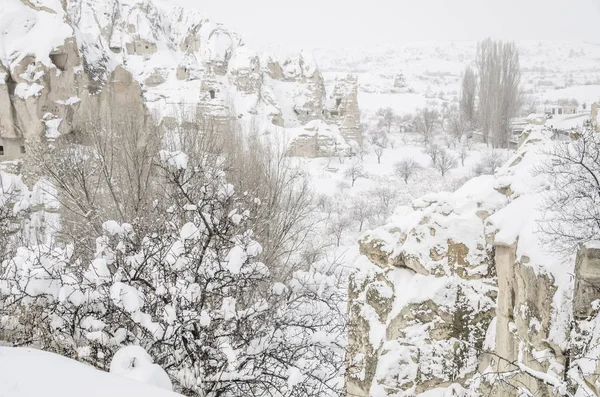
(343, 108)
(458, 291)
(146, 57)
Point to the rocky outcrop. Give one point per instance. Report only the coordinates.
(587, 282)
(318, 139)
(458, 293)
(144, 54)
(303, 71)
(425, 300)
(342, 108)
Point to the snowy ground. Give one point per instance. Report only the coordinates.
(329, 180)
(433, 70)
(33, 373)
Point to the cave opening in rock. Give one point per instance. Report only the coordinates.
(212, 94)
(1, 150)
(59, 60)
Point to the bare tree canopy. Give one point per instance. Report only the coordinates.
(467, 95)
(387, 117)
(499, 95)
(573, 208)
(426, 121)
(406, 168)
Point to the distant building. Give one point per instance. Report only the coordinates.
(561, 109)
(11, 148)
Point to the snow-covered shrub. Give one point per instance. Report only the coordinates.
(185, 281)
(488, 163)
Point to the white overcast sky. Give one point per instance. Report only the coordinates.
(293, 25)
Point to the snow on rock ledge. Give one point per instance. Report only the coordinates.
(458, 273)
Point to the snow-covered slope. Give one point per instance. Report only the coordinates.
(33, 373)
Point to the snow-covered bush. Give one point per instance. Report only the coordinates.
(185, 281)
(488, 163)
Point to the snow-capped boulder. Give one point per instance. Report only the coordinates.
(135, 363)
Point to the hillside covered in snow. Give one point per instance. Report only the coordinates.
(180, 212)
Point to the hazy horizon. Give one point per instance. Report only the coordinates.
(314, 24)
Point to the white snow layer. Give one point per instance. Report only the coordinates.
(33, 373)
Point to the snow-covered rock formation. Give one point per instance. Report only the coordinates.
(458, 294)
(62, 60)
(343, 107)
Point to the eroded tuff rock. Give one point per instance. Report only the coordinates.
(459, 294)
(151, 54)
(425, 299)
(342, 108)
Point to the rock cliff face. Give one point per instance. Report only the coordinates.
(458, 295)
(342, 108)
(61, 60)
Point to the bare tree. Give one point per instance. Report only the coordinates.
(406, 168)
(339, 223)
(405, 123)
(386, 119)
(457, 125)
(572, 211)
(445, 162)
(529, 105)
(463, 152)
(468, 94)
(354, 171)
(499, 95)
(433, 151)
(192, 282)
(379, 141)
(378, 150)
(488, 163)
(425, 122)
(384, 196)
(392, 142)
(104, 170)
(361, 211)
